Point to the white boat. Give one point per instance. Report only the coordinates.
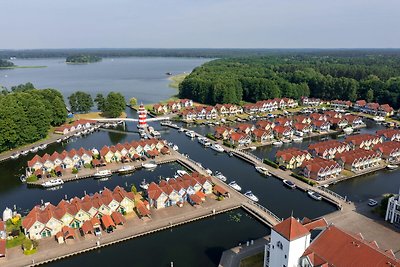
(209, 172)
(181, 130)
(42, 146)
(314, 195)
(204, 141)
(34, 149)
(378, 118)
(66, 138)
(289, 184)
(102, 174)
(175, 148)
(392, 166)
(14, 155)
(235, 186)
(372, 202)
(59, 140)
(250, 195)
(190, 134)
(144, 185)
(22, 178)
(174, 125)
(277, 143)
(252, 148)
(24, 153)
(77, 134)
(156, 133)
(297, 139)
(348, 130)
(299, 133)
(53, 182)
(149, 165)
(220, 176)
(217, 147)
(165, 123)
(126, 169)
(286, 141)
(181, 172)
(263, 170)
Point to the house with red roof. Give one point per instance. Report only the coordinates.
(292, 158)
(251, 108)
(265, 125)
(320, 169)
(389, 134)
(301, 119)
(160, 108)
(328, 149)
(353, 120)
(282, 121)
(239, 139)
(262, 136)
(303, 128)
(338, 123)
(222, 132)
(358, 159)
(311, 102)
(359, 104)
(283, 132)
(341, 104)
(385, 110)
(364, 141)
(390, 151)
(245, 128)
(318, 117)
(321, 126)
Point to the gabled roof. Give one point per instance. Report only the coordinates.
(291, 229)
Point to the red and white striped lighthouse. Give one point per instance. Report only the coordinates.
(142, 116)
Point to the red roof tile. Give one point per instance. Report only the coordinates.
(291, 229)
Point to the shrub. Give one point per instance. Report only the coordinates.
(133, 189)
(74, 170)
(211, 136)
(226, 143)
(87, 165)
(32, 178)
(15, 220)
(270, 163)
(220, 198)
(302, 178)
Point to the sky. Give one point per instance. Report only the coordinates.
(28, 24)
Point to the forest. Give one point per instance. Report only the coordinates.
(76, 59)
(373, 77)
(5, 63)
(27, 114)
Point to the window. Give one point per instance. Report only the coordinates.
(285, 256)
(279, 244)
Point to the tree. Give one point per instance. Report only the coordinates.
(133, 101)
(369, 96)
(114, 105)
(100, 101)
(133, 189)
(80, 102)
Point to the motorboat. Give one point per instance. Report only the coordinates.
(250, 195)
(289, 184)
(181, 172)
(252, 148)
(277, 143)
(42, 146)
(314, 195)
(156, 133)
(34, 149)
(348, 130)
(372, 202)
(379, 119)
(230, 154)
(77, 134)
(217, 147)
(174, 125)
(65, 138)
(181, 130)
(126, 169)
(144, 185)
(235, 186)
(59, 140)
(299, 133)
(102, 174)
(106, 125)
(24, 153)
(392, 166)
(204, 141)
(165, 123)
(263, 170)
(52, 183)
(14, 155)
(297, 139)
(286, 141)
(170, 144)
(175, 148)
(191, 134)
(209, 172)
(22, 178)
(220, 176)
(149, 165)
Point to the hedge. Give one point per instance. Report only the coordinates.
(302, 178)
(271, 163)
(212, 137)
(226, 143)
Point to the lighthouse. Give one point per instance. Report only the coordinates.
(142, 117)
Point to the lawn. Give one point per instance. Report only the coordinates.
(94, 115)
(17, 241)
(177, 79)
(253, 261)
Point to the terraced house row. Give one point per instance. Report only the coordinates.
(135, 150)
(191, 188)
(48, 220)
(172, 106)
(77, 125)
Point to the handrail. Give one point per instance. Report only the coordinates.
(265, 210)
(332, 193)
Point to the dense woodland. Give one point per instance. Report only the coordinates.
(26, 114)
(82, 59)
(5, 63)
(374, 77)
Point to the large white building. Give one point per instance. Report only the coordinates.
(315, 243)
(393, 209)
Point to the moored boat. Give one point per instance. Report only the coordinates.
(250, 195)
(277, 143)
(149, 165)
(235, 186)
(289, 184)
(59, 140)
(297, 139)
(220, 176)
(126, 169)
(262, 170)
(217, 147)
(14, 155)
(102, 174)
(191, 134)
(392, 166)
(24, 153)
(52, 182)
(252, 148)
(42, 146)
(175, 148)
(144, 185)
(34, 149)
(314, 195)
(209, 172)
(181, 172)
(378, 118)
(372, 202)
(286, 141)
(181, 130)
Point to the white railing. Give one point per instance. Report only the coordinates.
(251, 155)
(265, 210)
(332, 193)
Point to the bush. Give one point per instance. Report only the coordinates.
(270, 163)
(15, 220)
(32, 178)
(133, 189)
(304, 179)
(74, 170)
(87, 165)
(226, 143)
(220, 198)
(211, 136)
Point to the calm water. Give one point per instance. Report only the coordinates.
(143, 78)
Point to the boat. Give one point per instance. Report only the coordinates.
(314, 195)
(297, 139)
(220, 176)
(42, 146)
(102, 174)
(378, 118)
(126, 169)
(348, 130)
(286, 141)
(190, 134)
(34, 149)
(392, 166)
(289, 184)
(66, 138)
(263, 170)
(250, 195)
(77, 134)
(22, 178)
(165, 123)
(235, 186)
(144, 185)
(372, 202)
(175, 148)
(181, 172)
(277, 143)
(149, 165)
(204, 141)
(217, 147)
(209, 172)
(230, 154)
(24, 153)
(14, 155)
(299, 133)
(181, 130)
(53, 182)
(59, 140)
(252, 148)
(156, 133)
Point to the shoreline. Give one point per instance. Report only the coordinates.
(175, 80)
(22, 67)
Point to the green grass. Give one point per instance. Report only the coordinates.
(177, 79)
(23, 67)
(17, 241)
(256, 260)
(30, 252)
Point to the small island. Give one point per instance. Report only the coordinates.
(82, 59)
(6, 64)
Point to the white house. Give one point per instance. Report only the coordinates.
(393, 210)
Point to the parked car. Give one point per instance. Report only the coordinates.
(283, 168)
(97, 231)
